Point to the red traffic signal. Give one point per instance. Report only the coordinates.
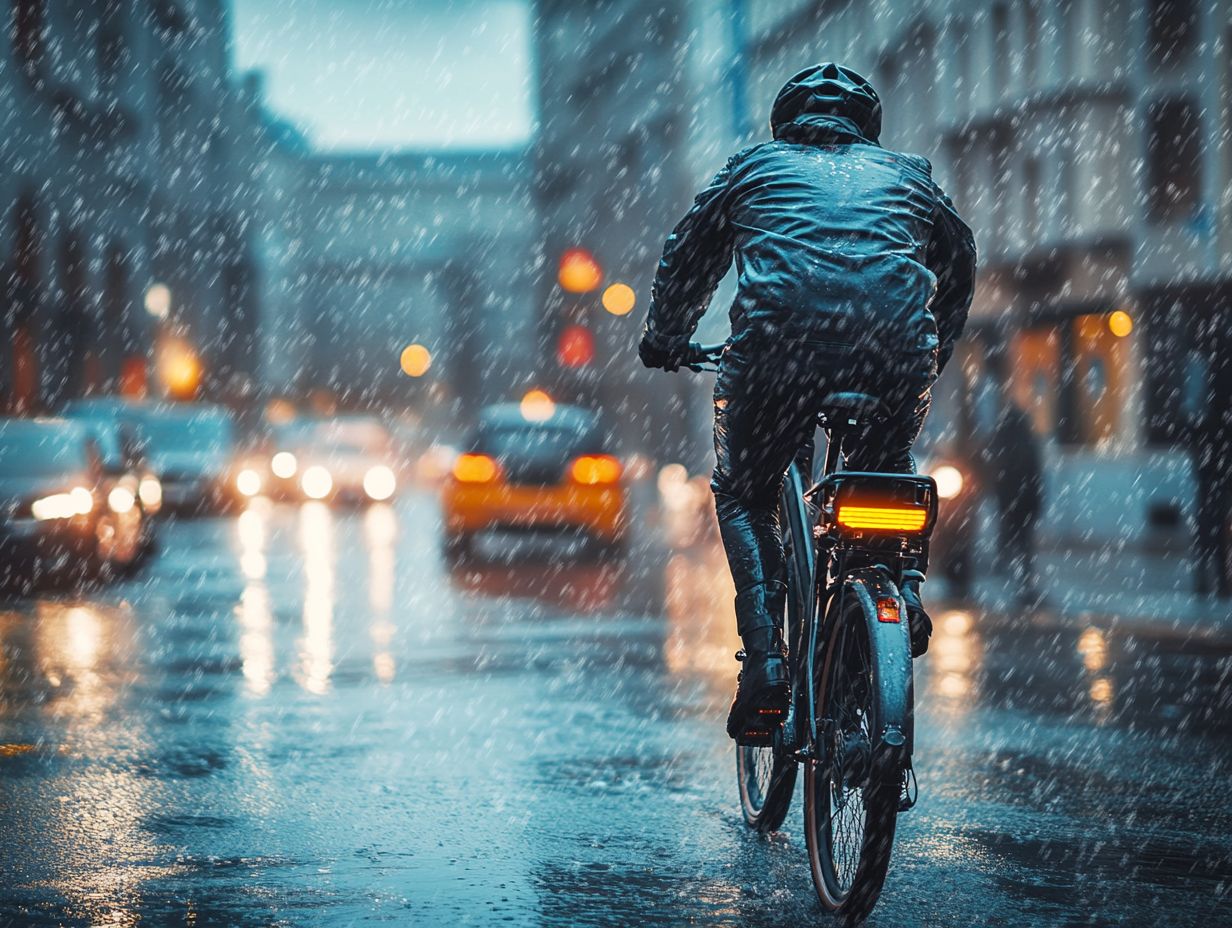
(576, 347)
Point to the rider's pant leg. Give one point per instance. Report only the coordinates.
(761, 418)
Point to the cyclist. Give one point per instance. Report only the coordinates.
(855, 273)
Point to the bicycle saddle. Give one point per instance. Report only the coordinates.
(843, 408)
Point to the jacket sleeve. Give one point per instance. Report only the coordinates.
(951, 257)
(695, 258)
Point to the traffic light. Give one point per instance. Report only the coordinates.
(575, 347)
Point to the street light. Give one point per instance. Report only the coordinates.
(180, 368)
(158, 301)
(1120, 323)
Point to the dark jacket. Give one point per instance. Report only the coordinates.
(835, 239)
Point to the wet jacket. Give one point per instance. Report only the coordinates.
(835, 239)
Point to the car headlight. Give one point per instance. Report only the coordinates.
(121, 500)
(77, 502)
(379, 483)
(248, 482)
(284, 465)
(949, 481)
(316, 482)
(150, 492)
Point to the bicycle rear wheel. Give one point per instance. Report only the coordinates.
(766, 775)
(850, 808)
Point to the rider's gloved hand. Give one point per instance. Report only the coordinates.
(667, 352)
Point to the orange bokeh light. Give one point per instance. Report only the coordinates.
(579, 272)
(619, 299)
(180, 369)
(593, 469)
(415, 360)
(475, 468)
(1120, 323)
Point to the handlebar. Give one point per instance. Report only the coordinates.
(704, 357)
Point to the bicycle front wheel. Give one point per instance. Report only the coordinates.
(850, 806)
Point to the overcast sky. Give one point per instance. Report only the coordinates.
(365, 74)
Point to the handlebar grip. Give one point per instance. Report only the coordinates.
(700, 354)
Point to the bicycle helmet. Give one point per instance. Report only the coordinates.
(828, 90)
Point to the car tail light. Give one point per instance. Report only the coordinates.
(882, 518)
(595, 469)
(475, 468)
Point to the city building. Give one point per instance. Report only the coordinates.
(389, 250)
(120, 176)
(612, 176)
(1087, 141)
(163, 233)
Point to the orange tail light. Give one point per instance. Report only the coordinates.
(882, 518)
(475, 468)
(595, 469)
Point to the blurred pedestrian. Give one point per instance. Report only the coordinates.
(1212, 451)
(1016, 474)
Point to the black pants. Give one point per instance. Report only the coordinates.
(1214, 532)
(765, 411)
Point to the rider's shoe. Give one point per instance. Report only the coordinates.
(917, 618)
(763, 689)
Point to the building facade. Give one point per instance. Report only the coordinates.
(387, 250)
(612, 176)
(1089, 144)
(118, 137)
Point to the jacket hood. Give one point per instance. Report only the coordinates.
(827, 104)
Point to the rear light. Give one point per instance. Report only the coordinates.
(887, 610)
(887, 518)
(475, 468)
(595, 469)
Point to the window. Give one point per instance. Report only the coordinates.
(27, 32)
(1032, 190)
(1072, 373)
(112, 51)
(1030, 43)
(1001, 49)
(1173, 153)
(1172, 27)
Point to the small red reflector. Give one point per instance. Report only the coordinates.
(887, 610)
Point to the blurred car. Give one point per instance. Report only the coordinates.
(50, 506)
(348, 459)
(277, 464)
(952, 546)
(192, 449)
(132, 489)
(548, 471)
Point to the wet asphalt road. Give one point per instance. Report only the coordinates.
(299, 717)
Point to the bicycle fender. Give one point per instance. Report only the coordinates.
(890, 642)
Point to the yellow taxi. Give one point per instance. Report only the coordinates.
(536, 466)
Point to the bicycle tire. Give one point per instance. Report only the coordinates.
(766, 776)
(845, 886)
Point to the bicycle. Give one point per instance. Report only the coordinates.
(850, 539)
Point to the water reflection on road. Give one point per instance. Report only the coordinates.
(303, 717)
